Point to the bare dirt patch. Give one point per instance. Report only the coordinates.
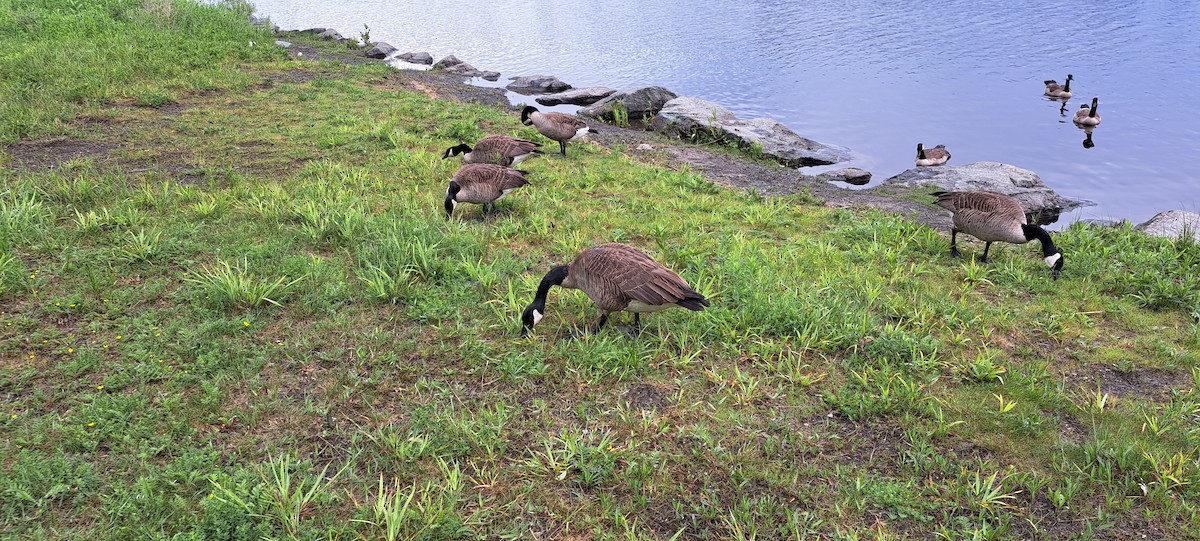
(1146, 383)
(41, 156)
(648, 397)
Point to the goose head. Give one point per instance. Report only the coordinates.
(451, 198)
(537, 309)
(456, 150)
(1055, 262)
(526, 113)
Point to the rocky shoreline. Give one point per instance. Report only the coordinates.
(668, 120)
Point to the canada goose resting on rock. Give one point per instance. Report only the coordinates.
(616, 277)
(497, 149)
(483, 184)
(1054, 90)
(932, 156)
(1087, 116)
(992, 217)
(557, 126)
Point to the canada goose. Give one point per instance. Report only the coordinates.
(1054, 90)
(991, 217)
(616, 277)
(497, 149)
(482, 183)
(557, 126)
(1087, 116)
(932, 156)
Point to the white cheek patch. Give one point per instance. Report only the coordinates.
(453, 204)
(537, 316)
(1053, 260)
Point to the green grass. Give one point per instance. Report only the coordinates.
(245, 317)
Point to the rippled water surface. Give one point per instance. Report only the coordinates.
(874, 76)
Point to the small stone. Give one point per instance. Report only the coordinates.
(644, 147)
(849, 175)
(284, 44)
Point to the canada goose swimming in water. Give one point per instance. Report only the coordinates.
(616, 277)
(992, 217)
(497, 149)
(932, 156)
(1087, 116)
(557, 126)
(1054, 90)
(483, 184)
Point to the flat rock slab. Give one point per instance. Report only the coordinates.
(1022, 184)
(449, 60)
(330, 34)
(1172, 224)
(640, 103)
(416, 58)
(577, 96)
(537, 84)
(379, 49)
(687, 117)
(849, 175)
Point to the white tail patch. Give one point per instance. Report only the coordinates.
(537, 316)
(522, 157)
(580, 133)
(1053, 260)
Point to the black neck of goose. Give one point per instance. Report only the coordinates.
(525, 114)
(1036, 232)
(1095, 105)
(1067, 87)
(553, 278)
(921, 151)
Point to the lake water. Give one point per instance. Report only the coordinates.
(877, 77)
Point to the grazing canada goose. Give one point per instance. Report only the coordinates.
(616, 277)
(557, 126)
(497, 149)
(1087, 116)
(1054, 90)
(991, 217)
(932, 156)
(482, 183)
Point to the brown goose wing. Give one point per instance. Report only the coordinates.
(505, 146)
(937, 153)
(975, 207)
(621, 274)
(558, 126)
(485, 182)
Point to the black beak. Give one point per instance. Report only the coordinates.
(1055, 273)
(524, 332)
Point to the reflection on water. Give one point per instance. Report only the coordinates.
(877, 78)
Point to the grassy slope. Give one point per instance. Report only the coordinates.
(849, 380)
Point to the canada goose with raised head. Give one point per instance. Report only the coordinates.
(615, 277)
(932, 156)
(556, 126)
(1088, 116)
(482, 184)
(497, 149)
(1054, 90)
(992, 217)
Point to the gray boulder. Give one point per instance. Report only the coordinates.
(537, 84)
(688, 118)
(577, 96)
(1172, 224)
(849, 175)
(318, 30)
(641, 103)
(490, 75)
(1022, 184)
(330, 34)
(450, 60)
(416, 58)
(379, 49)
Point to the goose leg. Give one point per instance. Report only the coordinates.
(599, 324)
(986, 247)
(563, 147)
(953, 243)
